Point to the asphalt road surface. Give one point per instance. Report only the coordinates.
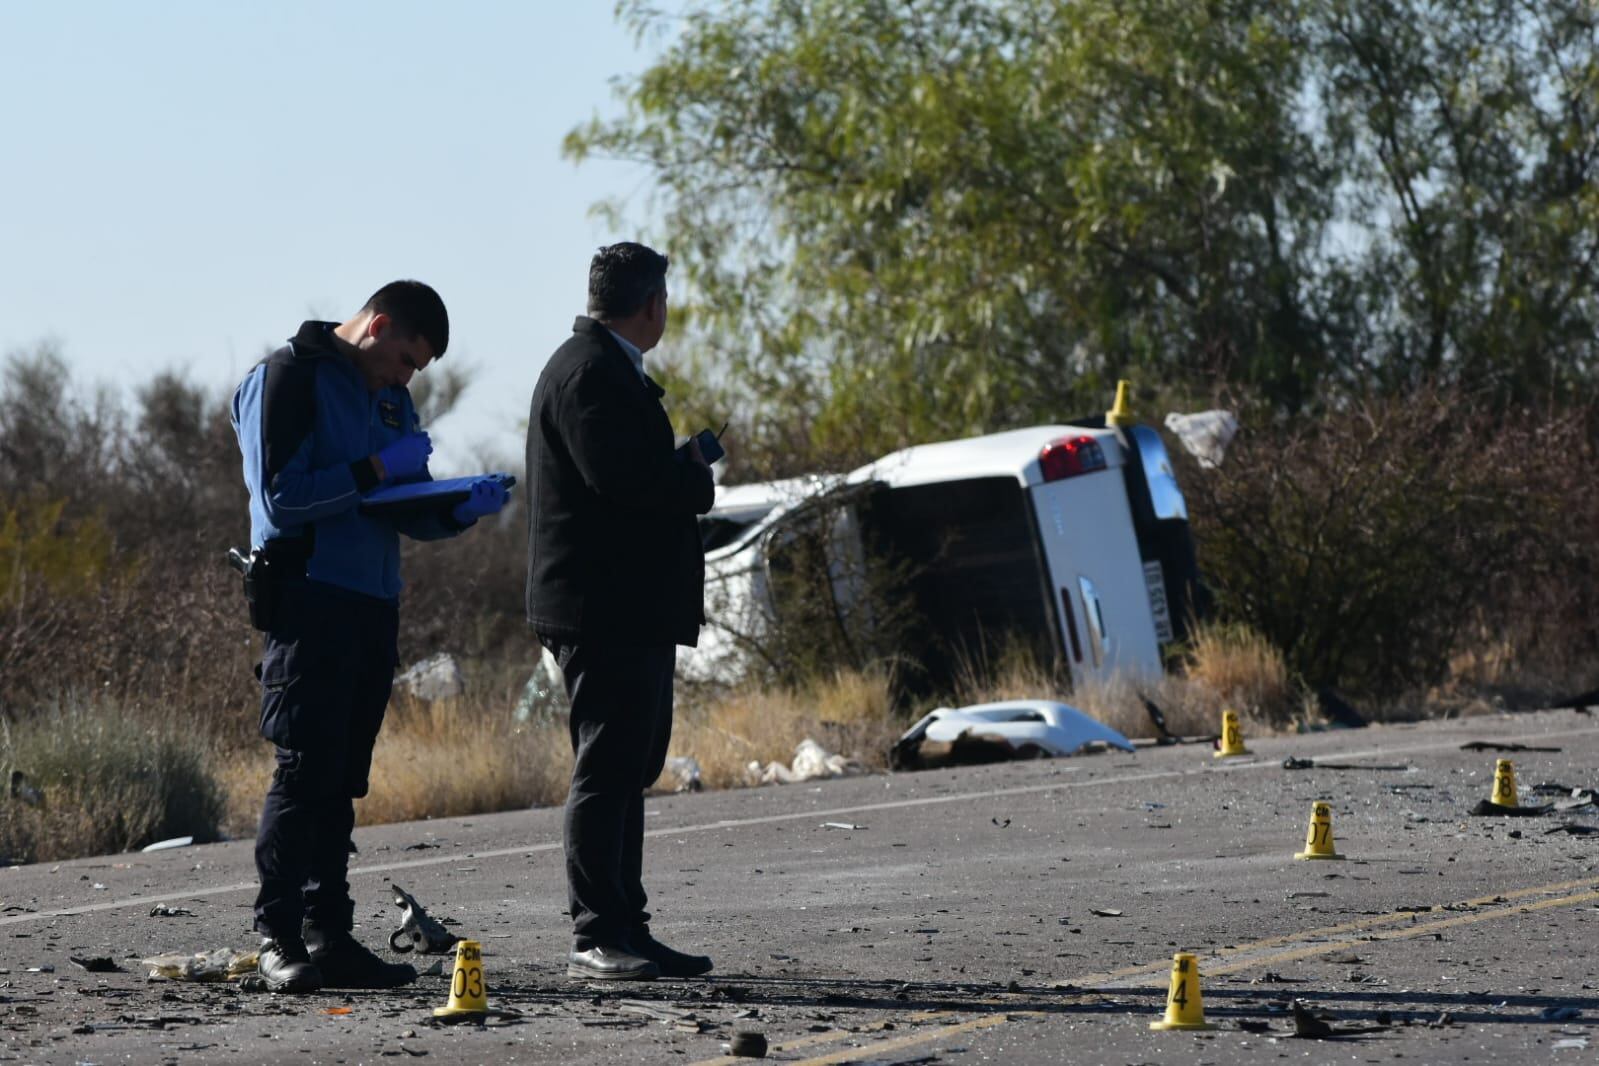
(1015, 913)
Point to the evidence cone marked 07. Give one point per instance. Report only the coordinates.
(1185, 1006)
(1319, 837)
(1232, 737)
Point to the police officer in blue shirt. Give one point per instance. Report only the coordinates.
(321, 421)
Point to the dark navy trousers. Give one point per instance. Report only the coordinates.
(325, 681)
(621, 726)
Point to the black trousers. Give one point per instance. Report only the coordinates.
(325, 681)
(621, 726)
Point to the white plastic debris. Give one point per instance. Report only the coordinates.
(1205, 434)
(163, 845)
(684, 772)
(435, 678)
(811, 761)
(1027, 726)
(544, 695)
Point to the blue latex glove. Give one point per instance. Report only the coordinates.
(406, 457)
(488, 496)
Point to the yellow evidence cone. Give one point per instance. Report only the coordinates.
(1121, 412)
(1232, 737)
(1505, 784)
(1185, 1007)
(469, 996)
(1319, 838)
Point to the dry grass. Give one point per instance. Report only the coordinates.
(433, 760)
(849, 713)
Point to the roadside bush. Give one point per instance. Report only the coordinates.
(108, 781)
(1370, 545)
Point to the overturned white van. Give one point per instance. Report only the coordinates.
(1072, 537)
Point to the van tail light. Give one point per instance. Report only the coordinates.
(1070, 456)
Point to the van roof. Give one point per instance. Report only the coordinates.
(1010, 454)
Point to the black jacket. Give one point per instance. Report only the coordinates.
(613, 546)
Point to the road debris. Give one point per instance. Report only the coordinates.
(1560, 1014)
(811, 762)
(841, 825)
(748, 1044)
(161, 910)
(218, 964)
(1573, 829)
(1105, 912)
(685, 770)
(1292, 763)
(1495, 745)
(96, 964)
(169, 844)
(1491, 809)
(418, 931)
(997, 732)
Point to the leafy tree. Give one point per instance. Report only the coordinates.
(900, 221)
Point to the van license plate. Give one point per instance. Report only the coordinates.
(1158, 607)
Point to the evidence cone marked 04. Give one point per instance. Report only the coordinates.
(1185, 1006)
(1319, 837)
(1232, 737)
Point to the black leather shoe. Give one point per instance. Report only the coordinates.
(672, 963)
(285, 966)
(602, 963)
(346, 963)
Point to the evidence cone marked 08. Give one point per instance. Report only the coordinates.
(1185, 1006)
(1232, 737)
(1319, 837)
(1504, 792)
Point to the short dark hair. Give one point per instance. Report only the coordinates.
(415, 308)
(622, 278)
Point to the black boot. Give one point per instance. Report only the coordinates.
(672, 963)
(604, 962)
(346, 963)
(286, 966)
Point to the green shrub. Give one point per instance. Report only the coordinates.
(109, 781)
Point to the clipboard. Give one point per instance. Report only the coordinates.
(418, 497)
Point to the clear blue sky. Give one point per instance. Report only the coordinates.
(182, 182)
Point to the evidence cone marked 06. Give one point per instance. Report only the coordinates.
(1185, 1006)
(1504, 792)
(1232, 737)
(1319, 837)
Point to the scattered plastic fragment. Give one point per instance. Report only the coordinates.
(996, 732)
(1106, 912)
(1292, 763)
(97, 964)
(841, 825)
(338, 1010)
(1573, 829)
(161, 910)
(1573, 1043)
(1495, 745)
(167, 845)
(218, 964)
(686, 770)
(418, 930)
(1492, 809)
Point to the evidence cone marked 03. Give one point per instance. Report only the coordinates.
(469, 990)
(1185, 1006)
(1232, 737)
(1319, 837)
(1504, 792)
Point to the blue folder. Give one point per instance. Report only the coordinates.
(415, 496)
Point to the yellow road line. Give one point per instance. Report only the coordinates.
(1368, 922)
(1419, 928)
(899, 1043)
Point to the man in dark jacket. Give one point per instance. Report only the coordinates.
(615, 582)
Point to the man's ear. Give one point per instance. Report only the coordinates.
(378, 325)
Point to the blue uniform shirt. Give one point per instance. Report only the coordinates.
(307, 425)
